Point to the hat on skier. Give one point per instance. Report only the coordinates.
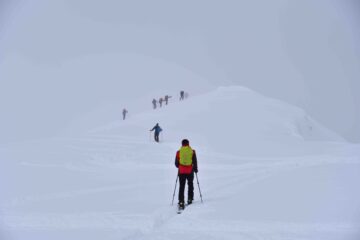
(185, 142)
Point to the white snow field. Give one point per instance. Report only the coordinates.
(266, 170)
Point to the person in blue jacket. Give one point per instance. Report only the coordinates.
(157, 129)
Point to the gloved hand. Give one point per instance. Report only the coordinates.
(195, 170)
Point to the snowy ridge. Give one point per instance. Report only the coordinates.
(237, 115)
(247, 112)
(266, 171)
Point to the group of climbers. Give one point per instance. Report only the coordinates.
(185, 159)
(161, 100)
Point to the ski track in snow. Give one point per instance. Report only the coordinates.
(103, 153)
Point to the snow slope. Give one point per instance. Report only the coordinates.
(266, 171)
(237, 119)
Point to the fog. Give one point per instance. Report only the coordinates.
(61, 60)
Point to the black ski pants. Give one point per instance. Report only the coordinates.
(190, 182)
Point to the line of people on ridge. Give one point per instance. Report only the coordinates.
(183, 95)
(161, 100)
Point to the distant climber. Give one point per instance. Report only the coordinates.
(154, 103)
(160, 102)
(124, 112)
(182, 95)
(186, 162)
(157, 130)
(167, 99)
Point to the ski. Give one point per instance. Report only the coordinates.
(180, 210)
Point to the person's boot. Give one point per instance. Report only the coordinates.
(181, 205)
(189, 201)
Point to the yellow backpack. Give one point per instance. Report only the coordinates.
(186, 154)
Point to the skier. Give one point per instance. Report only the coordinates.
(154, 103)
(157, 129)
(186, 162)
(160, 102)
(182, 95)
(167, 99)
(124, 112)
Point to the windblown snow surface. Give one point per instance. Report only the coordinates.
(266, 171)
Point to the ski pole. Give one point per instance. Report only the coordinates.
(177, 177)
(199, 187)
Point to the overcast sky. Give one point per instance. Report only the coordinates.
(61, 59)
